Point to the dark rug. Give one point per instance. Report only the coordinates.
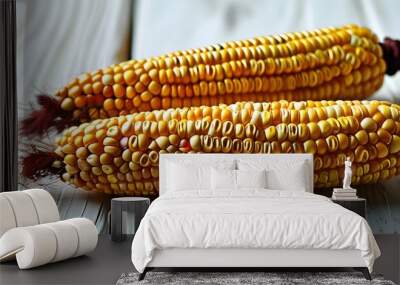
(229, 278)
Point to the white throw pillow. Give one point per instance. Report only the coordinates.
(227, 179)
(223, 179)
(251, 178)
(292, 179)
(183, 177)
(186, 175)
(281, 175)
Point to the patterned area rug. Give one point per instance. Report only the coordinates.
(242, 278)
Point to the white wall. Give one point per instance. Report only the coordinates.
(163, 26)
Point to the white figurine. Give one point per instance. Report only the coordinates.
(347, 174)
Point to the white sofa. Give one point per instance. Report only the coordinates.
(31, 231)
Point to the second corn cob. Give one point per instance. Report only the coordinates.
(120, 155)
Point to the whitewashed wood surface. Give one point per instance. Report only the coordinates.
(73, 202)
(60, 39)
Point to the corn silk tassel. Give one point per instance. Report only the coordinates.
(326, 64)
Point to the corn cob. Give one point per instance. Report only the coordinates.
(120, 155)
(329, 63)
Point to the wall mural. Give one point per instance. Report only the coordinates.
(254, 96)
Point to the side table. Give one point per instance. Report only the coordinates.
(135, 206)
(357, 205)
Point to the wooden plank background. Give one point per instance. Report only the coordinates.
(73, 202)
(36, 68)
